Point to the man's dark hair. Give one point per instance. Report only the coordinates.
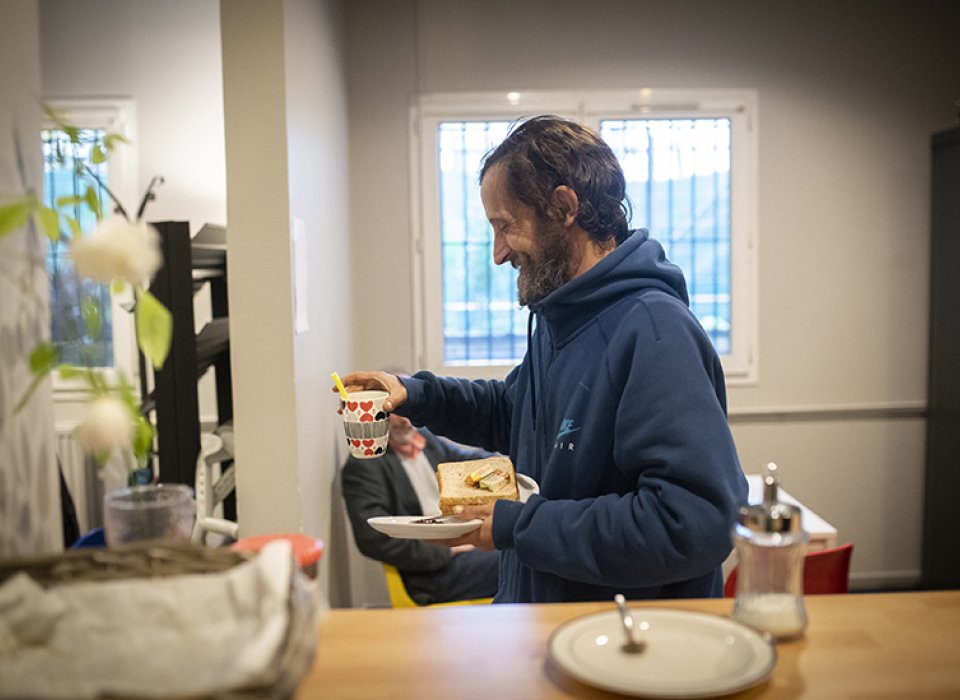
(545, 152)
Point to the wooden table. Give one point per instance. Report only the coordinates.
(863, 646)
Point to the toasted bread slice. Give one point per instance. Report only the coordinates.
(476, 482)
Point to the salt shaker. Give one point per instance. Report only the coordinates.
(771, 543)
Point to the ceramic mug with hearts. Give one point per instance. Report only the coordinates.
(365, 423)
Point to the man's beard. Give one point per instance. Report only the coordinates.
(549, 270)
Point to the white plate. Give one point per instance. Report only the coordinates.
(688, 654)
(527, 487)
(406, 527)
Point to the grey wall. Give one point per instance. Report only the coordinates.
(849, 94)
(30, 521)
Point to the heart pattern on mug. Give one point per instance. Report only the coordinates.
(367, 448)
(365, 423)
(363, 411)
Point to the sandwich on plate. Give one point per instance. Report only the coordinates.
(476, 482)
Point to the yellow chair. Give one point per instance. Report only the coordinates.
(399, 598)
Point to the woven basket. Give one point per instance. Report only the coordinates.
(165, 558)
(134, 560)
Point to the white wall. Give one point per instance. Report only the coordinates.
(317, 145)
(285, 109)
(165, 58)
(283, 80)
(849, 94)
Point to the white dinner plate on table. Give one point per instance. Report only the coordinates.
(688, 654)
(414, 527)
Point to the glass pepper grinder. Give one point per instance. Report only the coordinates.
(770, 543)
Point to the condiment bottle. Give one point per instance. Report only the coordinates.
(771, 543)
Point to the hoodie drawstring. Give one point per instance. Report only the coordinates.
(533, 370)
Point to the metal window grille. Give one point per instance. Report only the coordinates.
(678, 180)
(482, 322)
(69, 332)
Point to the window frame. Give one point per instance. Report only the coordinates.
(588, 107)
(118, 116)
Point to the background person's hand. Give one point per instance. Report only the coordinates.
(377, 381)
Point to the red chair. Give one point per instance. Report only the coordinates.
(824, 572)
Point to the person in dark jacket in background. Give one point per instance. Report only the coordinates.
(404, 482)
(618, 408)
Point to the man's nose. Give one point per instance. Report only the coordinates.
(501, 251)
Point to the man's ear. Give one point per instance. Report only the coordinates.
(567, 204)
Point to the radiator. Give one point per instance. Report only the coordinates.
(81, 479)
(86, 480)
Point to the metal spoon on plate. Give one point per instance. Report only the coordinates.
(632, 645)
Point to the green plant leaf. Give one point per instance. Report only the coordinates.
(58, 118)
(68, 201)
(29, 392)
(96, 381)
(93, 201)
(48, 221)
(111, 139)
(142, 438)
(15, 215)
(102, 457)
(125, 391)
(70, 371)
(44, 358)
(97, 154)
(74, 225)
(143, 430)
(42, 361)
(90, 312)
(154, 328)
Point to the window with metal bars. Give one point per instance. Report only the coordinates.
(482, 322)
(114, 347)
(690, 179)
(69, 293)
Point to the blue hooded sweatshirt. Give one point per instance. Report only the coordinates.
(618, 411)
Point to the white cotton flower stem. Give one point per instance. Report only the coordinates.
(149, 195)
(117, 207)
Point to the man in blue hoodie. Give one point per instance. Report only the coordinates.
(618, 409)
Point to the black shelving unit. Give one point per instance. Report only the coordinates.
(189, 265)
(941, 527)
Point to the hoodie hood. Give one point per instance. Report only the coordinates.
(637, 264)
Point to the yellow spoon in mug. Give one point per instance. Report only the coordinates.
(340, 387)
